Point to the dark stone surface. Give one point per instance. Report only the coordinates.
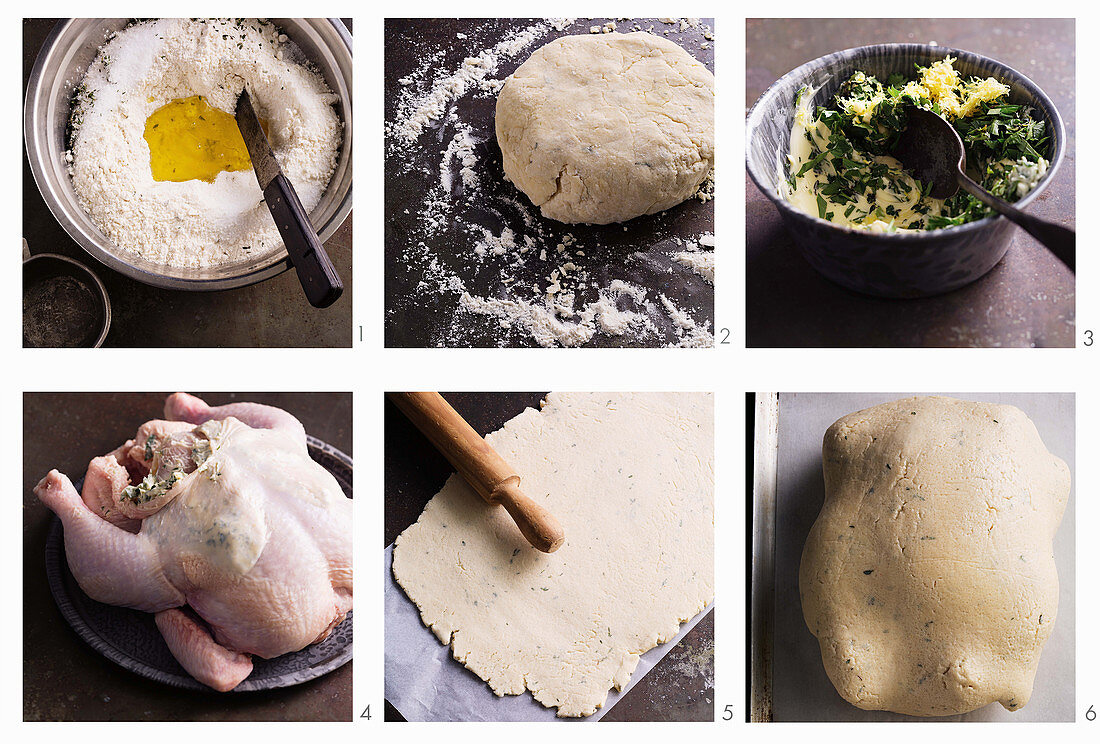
(273, 313)
(425, 320)
(63, 678)
(1028, 298)
(679, 688)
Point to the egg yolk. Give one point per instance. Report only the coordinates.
(191, 140)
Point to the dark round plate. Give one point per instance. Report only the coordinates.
(130, 638)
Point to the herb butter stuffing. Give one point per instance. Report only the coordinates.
(171, 460)
(151, 487)
(841, 169)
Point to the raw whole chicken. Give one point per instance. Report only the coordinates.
(217, 521)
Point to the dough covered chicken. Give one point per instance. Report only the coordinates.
(216, 520)
(929, 576)
(604, 128)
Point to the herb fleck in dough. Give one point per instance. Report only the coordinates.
(631, 478)
(606, 128)
(929, 576)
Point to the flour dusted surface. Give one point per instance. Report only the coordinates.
(470, 262)
(196, 224)
(638, 514)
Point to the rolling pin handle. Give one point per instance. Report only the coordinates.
(481, 466)
(538, 525)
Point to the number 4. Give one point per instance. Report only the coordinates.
(365, 713)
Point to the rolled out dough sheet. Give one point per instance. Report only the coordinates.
(631, 478)
(425, 684)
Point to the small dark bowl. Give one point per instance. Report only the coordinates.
(77, 314)
(888, 264)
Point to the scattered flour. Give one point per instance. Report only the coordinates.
(194, 223)
(701, 263)
(689, 333)
(550, 323)
(698, 256)
(418, 112)
(548, 289)
(460, 154)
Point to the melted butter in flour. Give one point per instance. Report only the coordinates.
(191, 140)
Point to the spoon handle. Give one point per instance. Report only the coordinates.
(1060, 241)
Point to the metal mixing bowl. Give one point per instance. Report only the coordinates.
(60, 67)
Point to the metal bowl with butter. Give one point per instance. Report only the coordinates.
(70, 49)
(887, 264)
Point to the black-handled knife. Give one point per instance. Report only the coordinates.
(318, 276)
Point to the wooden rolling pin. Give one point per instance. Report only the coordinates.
(480, 465)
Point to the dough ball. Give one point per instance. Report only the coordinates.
(929, 576)
(603, 128)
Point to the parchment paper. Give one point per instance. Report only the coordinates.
(425, 683)
(801, 689)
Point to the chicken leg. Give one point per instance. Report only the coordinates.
(199, 654)
(111, 565)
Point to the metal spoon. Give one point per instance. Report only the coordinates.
(933, 152)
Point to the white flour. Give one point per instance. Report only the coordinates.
(194, 223)
(698, 256)
(423, 110)
(574, 300)
(550, 322)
